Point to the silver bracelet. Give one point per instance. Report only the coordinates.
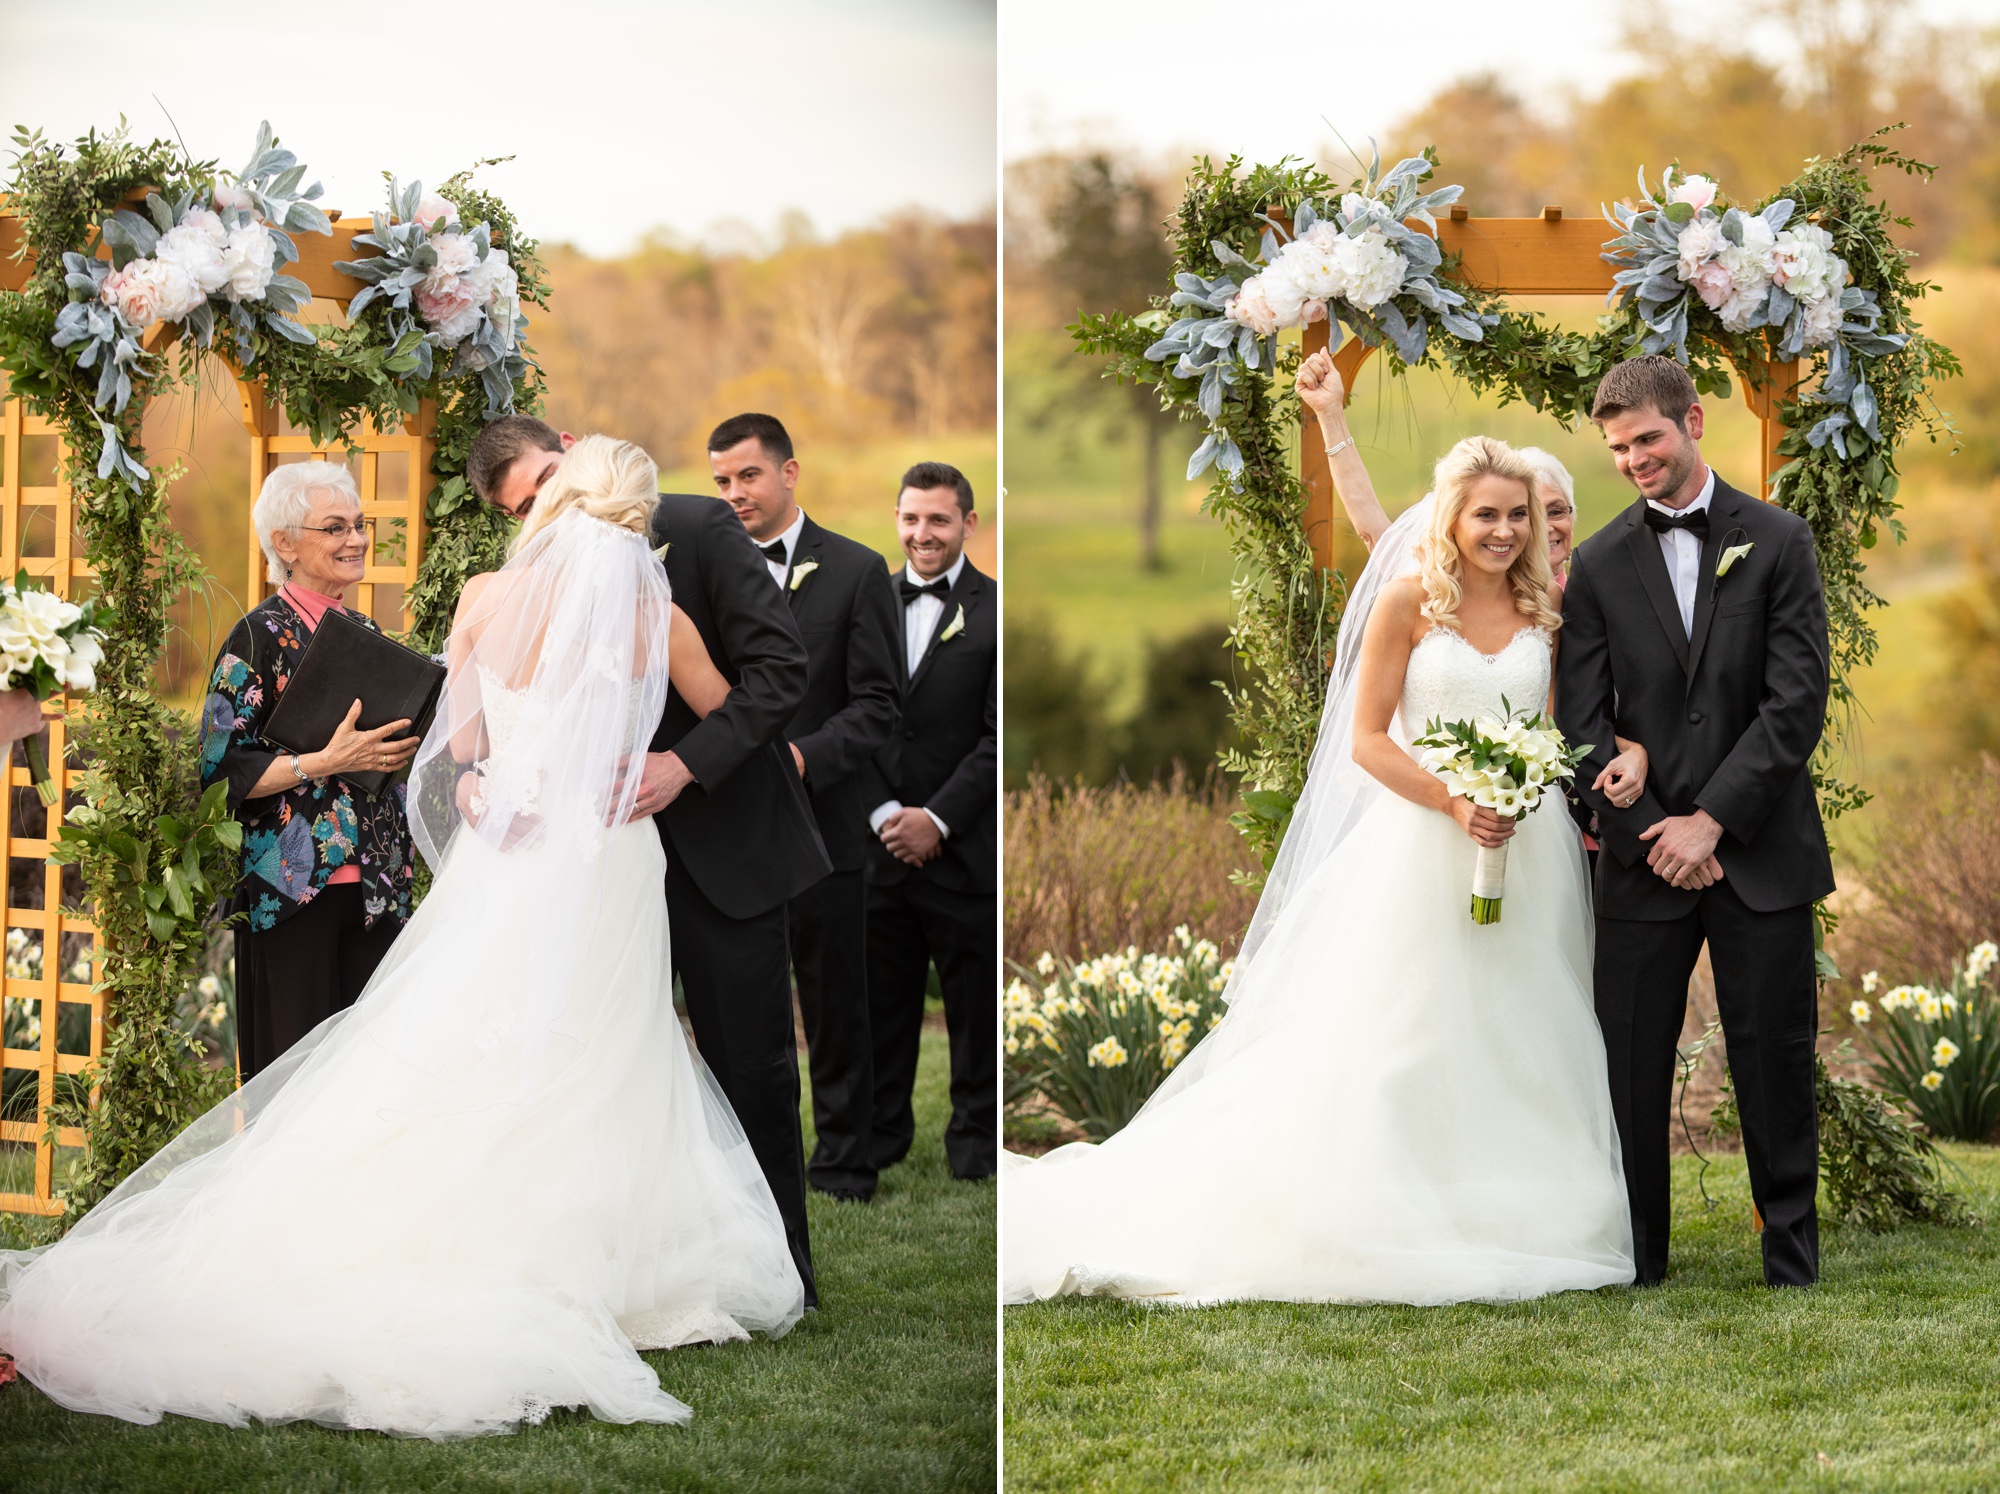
(1338, 447)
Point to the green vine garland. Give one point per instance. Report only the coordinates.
(1287, 607)
(154, 852)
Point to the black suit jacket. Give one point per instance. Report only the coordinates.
(743, 829)
(1729, 718)
(946, 756)
(846, 609)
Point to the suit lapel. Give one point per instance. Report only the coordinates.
(966, 595)
(1723, 509)
(808, 547)
(1659, 586)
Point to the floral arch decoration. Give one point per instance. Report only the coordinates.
(122, 268)
(1804, 298)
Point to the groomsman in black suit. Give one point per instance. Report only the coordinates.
(738, 830)
(841, 597)
(931, 875)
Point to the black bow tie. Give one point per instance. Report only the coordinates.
(774, 552)
(911, 590)
(1695, 523)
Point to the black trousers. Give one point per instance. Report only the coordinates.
(291, 978)
(828, 924)
(1766, 994)
(737, 979)
(911, 924)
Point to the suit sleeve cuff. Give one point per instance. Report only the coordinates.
(943, 828)
(879, 816)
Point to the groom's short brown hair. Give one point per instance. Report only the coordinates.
(1637, 383)
(501, 444)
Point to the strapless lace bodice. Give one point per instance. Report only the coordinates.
(501, 705)
(1450, 680)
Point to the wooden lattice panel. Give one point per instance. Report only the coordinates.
(395, 504)
(38, 535)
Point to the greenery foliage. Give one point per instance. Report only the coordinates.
(1937, 1048)
(155, 853)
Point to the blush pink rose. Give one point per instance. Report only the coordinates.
(233, 199)
(1697, 192)
(1249, 307)
(138, 296)
(1713, 284)
(451, 305)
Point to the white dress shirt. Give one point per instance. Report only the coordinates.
(790, 540)
(920, 620)
(1682, 552)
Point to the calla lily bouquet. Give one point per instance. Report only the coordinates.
(1507, 764)
(47, 645)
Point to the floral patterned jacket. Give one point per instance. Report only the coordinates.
(294, 840)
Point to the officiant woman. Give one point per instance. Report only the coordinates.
(327, 866)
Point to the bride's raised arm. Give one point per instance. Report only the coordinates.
(1321, 391)
(1378, 688)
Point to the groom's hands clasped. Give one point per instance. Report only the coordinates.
(1684, 849)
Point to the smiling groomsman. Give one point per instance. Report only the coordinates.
(931, 877)
(844, 603)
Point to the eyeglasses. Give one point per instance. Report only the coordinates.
(339, 533)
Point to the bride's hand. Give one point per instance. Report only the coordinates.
(1319, 385)
(1483, 825)
(1624, 778)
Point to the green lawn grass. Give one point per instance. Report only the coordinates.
(1886, 1376)
(888, 1387)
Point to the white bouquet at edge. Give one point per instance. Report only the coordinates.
(47, 645)
(1507, 764)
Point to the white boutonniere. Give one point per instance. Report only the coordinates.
(1730, 556)
(802, 570)
(955, 627)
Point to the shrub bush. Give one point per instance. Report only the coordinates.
(1091, 868)
(1931, 874)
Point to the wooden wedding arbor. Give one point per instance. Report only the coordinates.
(38, 535)
(1547, 256)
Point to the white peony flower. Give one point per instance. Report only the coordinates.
(209, 225)
(195, 252)
(1279, 286)
(456, 254)
(1743, 309)
(1372, 267)
(1701, 241)
(153, 290)
(1803, 262)
(1312, 267)
(252, 259)
(1822, 322)
(1250, 307)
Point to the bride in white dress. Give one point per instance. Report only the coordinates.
(475, 1194)
(1401, 1105)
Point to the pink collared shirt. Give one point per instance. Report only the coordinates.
(311, 606)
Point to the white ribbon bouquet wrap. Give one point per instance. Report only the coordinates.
(1507, 764)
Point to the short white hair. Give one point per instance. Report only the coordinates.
(1549, 473)
(286, 498)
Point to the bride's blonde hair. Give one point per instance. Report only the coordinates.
(611, 480)
(1442, 567)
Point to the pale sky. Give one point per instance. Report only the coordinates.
(1169, 78)
(624, 115)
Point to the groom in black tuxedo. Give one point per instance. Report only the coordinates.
(840, 596)
(739, 833)
(931, 874)
(1695, 624)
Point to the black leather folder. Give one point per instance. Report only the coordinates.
(346, 661)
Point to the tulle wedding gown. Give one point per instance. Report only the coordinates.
(470, 1197)
(1400, 1106)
